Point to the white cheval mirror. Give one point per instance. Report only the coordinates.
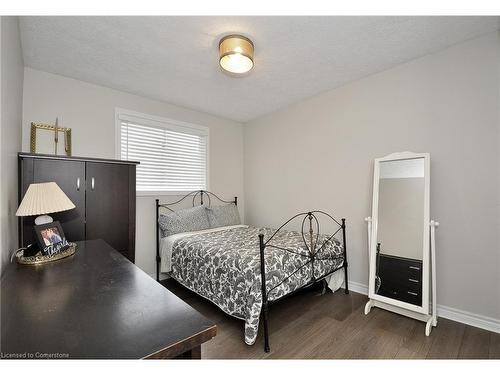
(402, 276)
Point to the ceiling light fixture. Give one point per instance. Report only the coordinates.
(236, 54)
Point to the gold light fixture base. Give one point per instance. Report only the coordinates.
(236, 54)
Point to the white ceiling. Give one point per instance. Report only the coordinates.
(175, 59)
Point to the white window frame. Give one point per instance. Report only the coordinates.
(157, 121)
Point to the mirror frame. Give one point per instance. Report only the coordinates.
(424, 309)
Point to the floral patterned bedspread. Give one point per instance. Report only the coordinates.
(224, 267)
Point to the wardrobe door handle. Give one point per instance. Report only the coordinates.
(92, 183)
(78, 183)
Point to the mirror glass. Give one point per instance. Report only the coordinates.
(400, 230)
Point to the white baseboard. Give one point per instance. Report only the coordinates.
(471, 319)
(465, 317)
(162, 276)
(358, 287)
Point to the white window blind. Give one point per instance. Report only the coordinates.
(172, 158)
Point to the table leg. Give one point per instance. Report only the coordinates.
(194, 353)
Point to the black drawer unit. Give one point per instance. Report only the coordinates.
(401, 279)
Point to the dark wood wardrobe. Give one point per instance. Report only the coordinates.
(102, 190)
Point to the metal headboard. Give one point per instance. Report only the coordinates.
(195, 194)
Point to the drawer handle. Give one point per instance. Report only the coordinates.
(413, 294)
(415, 268)
(413, 280)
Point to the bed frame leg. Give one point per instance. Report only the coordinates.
(324, 287)
(265, 311)
(346, 290)
(265, 306)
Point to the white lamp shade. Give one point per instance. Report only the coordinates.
(42, 199)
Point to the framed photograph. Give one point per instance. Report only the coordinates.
(51, 238)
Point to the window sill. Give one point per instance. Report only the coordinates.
(163, 193)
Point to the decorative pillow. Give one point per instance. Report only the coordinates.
(186, 220)
(222, 216)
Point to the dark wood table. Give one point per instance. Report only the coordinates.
(95, 304)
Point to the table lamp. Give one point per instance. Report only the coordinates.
(42, 199)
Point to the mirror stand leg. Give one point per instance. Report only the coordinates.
(428, 326)
(368, 306)
(434, 224)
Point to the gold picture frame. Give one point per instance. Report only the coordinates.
(35, 126)
(39, 258)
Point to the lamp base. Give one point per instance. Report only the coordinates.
(43, 219)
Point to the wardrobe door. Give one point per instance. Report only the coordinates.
(107, 204)
(70, 176)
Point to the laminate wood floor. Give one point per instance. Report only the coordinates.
(333, 326)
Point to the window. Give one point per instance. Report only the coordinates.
(173, 155)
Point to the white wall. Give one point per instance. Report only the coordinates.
(89, 110)
(11, 64)
(319, 154)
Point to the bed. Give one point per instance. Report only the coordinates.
(230, 264)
